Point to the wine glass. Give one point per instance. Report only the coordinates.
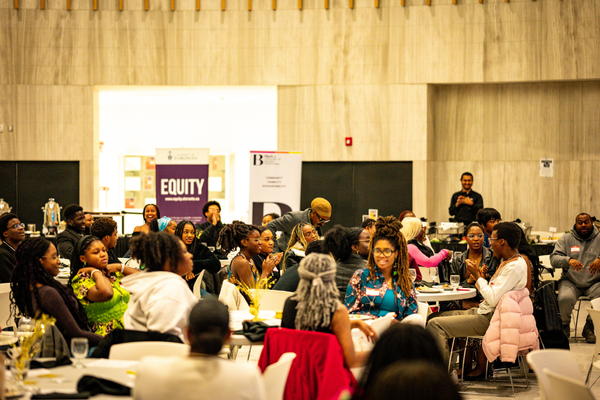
(413, 274)
(454, 282)
(79, 349)
(433, 272)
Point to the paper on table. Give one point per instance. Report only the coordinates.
(104, 363)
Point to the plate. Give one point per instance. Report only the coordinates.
(8, 338)
(429, 290)
(360, 317)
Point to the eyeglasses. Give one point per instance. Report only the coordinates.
(17, 226)
(323, 220)
(473, 236)
(385, 252)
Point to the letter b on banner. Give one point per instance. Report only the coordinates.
(258, 211)
(258, 159)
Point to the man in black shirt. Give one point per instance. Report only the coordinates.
(12, 232)
(465, 204)
(67, 239)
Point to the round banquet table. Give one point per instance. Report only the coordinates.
(447, 295)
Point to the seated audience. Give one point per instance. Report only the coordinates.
(576, 253)
(302, 235)
(67, 239)
(105, 229)
(161, 300)
(369, 225)
(266, 256)
(315, 306)
(400, 343)
(34, 289)
(89, 221)
(269, 217)
(98, 287)
(208, 232)
(289, 280)
(350, 249)
(12, 232)
(242, 271)
(487, 218)
(317, 215)
(424, 239)
(203, 375)
(511, 275)
(204, 259)
(413, 232)
(385, 285)
(164, 224)
(149, 213)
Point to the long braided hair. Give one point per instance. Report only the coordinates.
(155, 249)
(317, 295)
(297, 236)
(231, 236)
(388, 228)
(29, 272)
(179, 233)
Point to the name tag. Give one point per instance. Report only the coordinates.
(574, 249)
(372, 292)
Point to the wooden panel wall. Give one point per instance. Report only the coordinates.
(500, 133)
(361, 72)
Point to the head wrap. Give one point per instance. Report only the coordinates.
(162, 223)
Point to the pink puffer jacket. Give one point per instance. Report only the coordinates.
(512, 328)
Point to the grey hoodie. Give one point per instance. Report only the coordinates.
(571, 245)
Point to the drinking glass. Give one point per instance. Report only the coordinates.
(454, 282)
(413, 274)
(79, 349)
(433, 272)
(19, 368)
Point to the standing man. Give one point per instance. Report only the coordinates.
(318, 215)
(465, 204)
(12, 232)
(577, 253)
(67, 239)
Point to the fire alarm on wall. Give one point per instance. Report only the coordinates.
(348, 141)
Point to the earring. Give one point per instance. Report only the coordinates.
(84, 264)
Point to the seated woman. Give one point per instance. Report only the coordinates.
(34, 289)
(315, 306)
(204, 259)
(164, 224)
(403, 343)
(268, 218)
(98, 287)
(149, 213)
(385, 285)
(242, 271)
(413, 232)
(161, 300)
(350, 249)
(266, 256)
(301, 236)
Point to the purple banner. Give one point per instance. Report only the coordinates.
(181, 191)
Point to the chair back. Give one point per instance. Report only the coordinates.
(559, 361)
(318, 370)
(5, 317)
(595, 315)
(562, 387)
(274, 299)
(276, 375)
(232, 298)
(136, 350)
(198, 284)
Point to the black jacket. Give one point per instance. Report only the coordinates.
(7, 262)
(66, 241)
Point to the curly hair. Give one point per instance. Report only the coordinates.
(411, 228)
(70, 211)
(339, 240)
(103, 227)
(388, 228)
(208, 204)
(317, 294)
(4, 220)
(29, 272)
(155, 249)
(231, 235)
(80, 248)
(144, 211)
(179, 233)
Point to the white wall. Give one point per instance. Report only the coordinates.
(227, 120)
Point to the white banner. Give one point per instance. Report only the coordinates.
(275, 180)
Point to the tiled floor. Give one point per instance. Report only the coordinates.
(501, 389)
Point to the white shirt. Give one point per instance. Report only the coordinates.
(513, 276)
(197, 378)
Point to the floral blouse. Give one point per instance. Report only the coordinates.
(375, 297)
(103, 316)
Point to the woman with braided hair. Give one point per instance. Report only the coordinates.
(315, 306)
(385, 285)
(161, 300)
(34, 289)
(242, 269)
(302, 235)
